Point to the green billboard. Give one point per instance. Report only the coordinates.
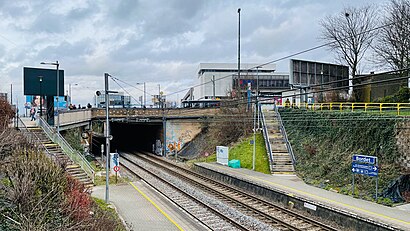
(39, 81)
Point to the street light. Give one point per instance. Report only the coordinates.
(69, 91)
(58, 91)
(40, 79)
(239, 49)
(144, 93)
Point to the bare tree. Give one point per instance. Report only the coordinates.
(349, 35)
(393, 41)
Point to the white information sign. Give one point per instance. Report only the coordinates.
(222, 155)
(114, 161)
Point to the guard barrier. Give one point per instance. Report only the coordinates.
(388, 108)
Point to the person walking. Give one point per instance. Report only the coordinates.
(33, 113)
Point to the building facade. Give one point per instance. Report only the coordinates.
(219, 80)
(118, 100)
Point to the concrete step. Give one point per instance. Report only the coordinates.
(281, 158)
(75, 170)
(282, 168)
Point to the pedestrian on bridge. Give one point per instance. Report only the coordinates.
(33, 113)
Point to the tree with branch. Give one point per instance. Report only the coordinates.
(349, 35)
(393, 41)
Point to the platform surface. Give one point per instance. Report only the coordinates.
(291, 184)
(141, 214)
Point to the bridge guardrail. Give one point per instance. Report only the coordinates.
(74, 155)
(266, 137)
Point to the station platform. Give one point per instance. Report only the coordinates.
(398, 218)
(142, 208)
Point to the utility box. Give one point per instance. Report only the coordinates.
(222, 155)
(234, 163)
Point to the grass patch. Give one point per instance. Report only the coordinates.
(100, 180)
(243, 151)
(110, 211)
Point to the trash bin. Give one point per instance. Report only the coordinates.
(234, 163)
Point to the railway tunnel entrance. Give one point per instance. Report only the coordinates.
(135, 136)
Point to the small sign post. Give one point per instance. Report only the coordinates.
(365, 165)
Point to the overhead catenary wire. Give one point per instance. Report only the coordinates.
(285, 57)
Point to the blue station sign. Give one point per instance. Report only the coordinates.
(365, 169)
(364, 159)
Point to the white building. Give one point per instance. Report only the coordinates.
(226, 75)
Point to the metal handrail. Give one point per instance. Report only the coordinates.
(266, 137)
(285, 136)
(74, 155)
(36, 141)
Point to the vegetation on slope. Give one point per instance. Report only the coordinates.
(324, 143)
(35, 192)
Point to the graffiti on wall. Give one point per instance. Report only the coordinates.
(176, 138)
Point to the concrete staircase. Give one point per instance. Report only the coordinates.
(281, 158)
(71, 168)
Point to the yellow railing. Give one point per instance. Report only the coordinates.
(396, 108)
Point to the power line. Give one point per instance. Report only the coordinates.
(285, 57)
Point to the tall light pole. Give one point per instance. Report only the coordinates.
(257, 92)
(58, 91)
(159, 96)
(40, 79)
(145, 97)
(69, 91)
(239, 50)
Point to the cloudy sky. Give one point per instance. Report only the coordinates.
(154, 41)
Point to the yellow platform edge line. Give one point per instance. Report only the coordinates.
(156, 206)
(319, 197)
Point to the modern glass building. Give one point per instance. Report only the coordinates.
(116, 100)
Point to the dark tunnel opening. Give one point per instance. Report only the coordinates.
(134, 136)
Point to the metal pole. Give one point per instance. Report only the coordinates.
(164, 125)
(377, 184)
(41, 98)
(257, 93)
(107, 139)
(11, 94)
(58, 96)
(353, 186)
(159, 95)
(254, 140)
(213, 82)
(145, 96)
(239, 49)
(69, 91)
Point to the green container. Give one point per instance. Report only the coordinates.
(234, 163)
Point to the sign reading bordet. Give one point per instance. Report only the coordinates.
(365, 165)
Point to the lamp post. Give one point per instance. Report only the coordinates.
(40, 79)
(69, 91)
(107, 135)
(58, 91)
(239, 48)
(257, 92)
(145, 97)
(159, 96)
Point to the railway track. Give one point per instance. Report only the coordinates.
(203, 212)
(275, 216)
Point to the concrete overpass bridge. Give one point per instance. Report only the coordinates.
(137, 128)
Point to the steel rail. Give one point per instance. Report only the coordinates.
(255, 200)
(216, 212)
